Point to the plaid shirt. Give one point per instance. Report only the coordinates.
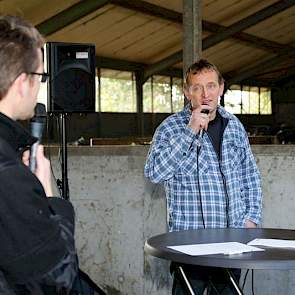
(231, 183)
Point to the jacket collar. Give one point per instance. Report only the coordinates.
(15, 134)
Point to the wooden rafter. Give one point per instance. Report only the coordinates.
(227, 32)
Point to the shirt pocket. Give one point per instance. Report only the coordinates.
(190, 166)
(236, 155)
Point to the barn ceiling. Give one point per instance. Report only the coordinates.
(250, 41)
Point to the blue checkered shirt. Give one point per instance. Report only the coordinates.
(232, 179)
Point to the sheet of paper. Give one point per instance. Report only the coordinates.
(275, 243)
(228, 248)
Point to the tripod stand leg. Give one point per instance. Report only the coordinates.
(65, 183)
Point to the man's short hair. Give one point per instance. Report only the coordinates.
(19, 41)
(198, 67)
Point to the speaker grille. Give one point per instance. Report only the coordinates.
(72, 77)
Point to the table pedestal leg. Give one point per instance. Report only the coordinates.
(184, 278)
(234, 282)
(189, 288)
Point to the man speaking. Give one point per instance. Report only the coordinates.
(203, 157)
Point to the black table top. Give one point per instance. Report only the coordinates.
(271, 258)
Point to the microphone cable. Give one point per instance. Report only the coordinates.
(199, 188)
(201, 133)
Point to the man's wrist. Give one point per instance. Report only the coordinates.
(191, 128)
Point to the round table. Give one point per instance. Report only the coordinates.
(271, 258)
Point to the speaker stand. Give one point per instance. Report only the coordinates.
(64, 158)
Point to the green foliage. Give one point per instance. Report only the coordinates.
(117, 95)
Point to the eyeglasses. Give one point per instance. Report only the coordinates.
(197, 89)
(42, 76)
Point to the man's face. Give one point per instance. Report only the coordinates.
(204, 89)
(32, 90)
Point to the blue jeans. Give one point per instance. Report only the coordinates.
(214, 279)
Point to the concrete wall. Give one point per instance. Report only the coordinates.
(117, 210)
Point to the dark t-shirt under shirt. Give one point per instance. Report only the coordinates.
(215, 131)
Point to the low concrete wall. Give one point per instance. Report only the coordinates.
(117, 209)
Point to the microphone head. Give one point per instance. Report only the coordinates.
(40, 113)
(205, 111)
(38, 121)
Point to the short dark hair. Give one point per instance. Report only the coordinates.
(19, 42)
(198, 67)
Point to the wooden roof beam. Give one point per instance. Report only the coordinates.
(85, 7)
(123, 65)
(247, 22)
(171, 15)
(69, 15)
(150, 9)
(257, 68)
(118, 64)
(288, 74)
(224, 34)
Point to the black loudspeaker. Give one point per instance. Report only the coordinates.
(71, 69)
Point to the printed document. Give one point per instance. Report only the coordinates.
(275, 243)
(228, 248)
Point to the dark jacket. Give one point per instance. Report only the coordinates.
(37, 248)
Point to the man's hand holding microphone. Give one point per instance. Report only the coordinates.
(35, 158)
(199, 119)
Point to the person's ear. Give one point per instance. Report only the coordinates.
(21, 84)
(187, 94)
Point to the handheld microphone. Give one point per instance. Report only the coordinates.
(203, 111)
(37, 125)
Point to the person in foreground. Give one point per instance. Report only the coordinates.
(203, 157)
(37, 249)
